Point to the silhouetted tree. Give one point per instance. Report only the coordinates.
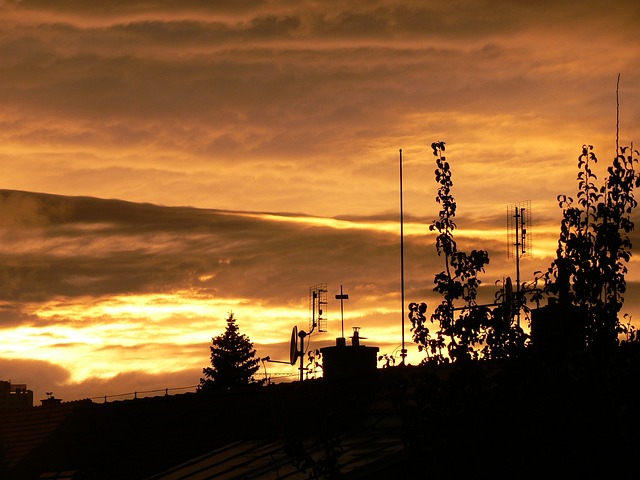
(458, 281)
(588, 273)
(477, 330)
(233, 360)
(572, 416)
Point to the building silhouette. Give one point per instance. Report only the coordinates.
(14, 397)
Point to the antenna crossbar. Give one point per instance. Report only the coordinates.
(519, 235)
(518, 240)
(318, 308)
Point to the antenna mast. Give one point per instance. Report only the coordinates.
(518, 240)
(318, 307)
(618, 115)
(342, 297)
(403, 352)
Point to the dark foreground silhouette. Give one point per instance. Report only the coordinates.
(532, 417)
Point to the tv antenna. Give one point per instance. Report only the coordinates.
(296, 349)
(318, 308)
(518, 240)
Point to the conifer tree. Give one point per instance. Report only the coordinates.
(233, 360)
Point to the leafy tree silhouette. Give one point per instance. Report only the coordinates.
(588, 274)
(478, 330)
(535, 413)
(233, 360)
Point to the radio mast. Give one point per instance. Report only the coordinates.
(518, 240)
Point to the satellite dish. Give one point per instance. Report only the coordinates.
(508, 295)
(293, 346)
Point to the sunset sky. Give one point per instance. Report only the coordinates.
(166, 163)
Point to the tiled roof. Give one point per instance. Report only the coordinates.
(368, 449)
(245, 434)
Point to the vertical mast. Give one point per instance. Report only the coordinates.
(403, 352)
(518, 245)
(342, 297)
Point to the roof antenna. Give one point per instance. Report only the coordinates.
(342, 297)
(403, 352)
(518, 240)
(618, 115)
(317, 308)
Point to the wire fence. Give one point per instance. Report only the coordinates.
(146, 393)
(175, 390)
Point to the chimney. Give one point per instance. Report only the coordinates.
(355, 340)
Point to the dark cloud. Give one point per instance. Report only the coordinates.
(89, 77)
(146, 104)
(32, 371)
(94, 247)
(119, 7)
(39, 376)
(100, 247)
(12, 315)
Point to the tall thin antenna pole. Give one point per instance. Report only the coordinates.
(403, 352)
(342, 297)
(518, 218)
(313, 311)
(301, 335)
(617, 115)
